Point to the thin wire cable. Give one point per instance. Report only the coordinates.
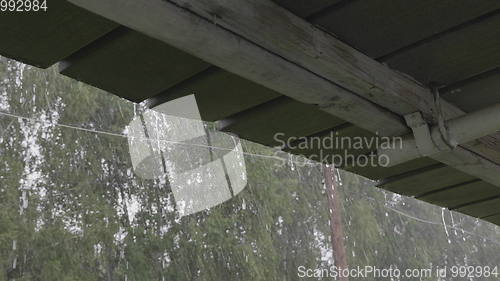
(150, 139)
(440, 224)
(227, 149)
(421, 220)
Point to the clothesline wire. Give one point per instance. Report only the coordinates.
(220, 148)
(94, 131)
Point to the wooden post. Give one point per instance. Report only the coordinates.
(336, 225)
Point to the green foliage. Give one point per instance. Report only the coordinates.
(76, 184)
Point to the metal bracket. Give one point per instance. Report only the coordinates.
(422, 134)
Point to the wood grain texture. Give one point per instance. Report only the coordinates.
(43, 38)
(379, 27)
(493, 219)
(170, 23)
(219, 94)
(454, 56)
(481, 209)
(296, 59)
(131, 65)
(306, 8)
(315, 50)
(379, 173)
(455, 196)
(282, 115)
(476, 93)
(421, 183)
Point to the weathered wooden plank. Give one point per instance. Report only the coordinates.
(379, 27)
(380, 173)
(280, 116)
(325, 55)
(341, 146)
(172, 24)
(131, 65)
(334, 141)
(255, 126)
(318, 51)
(462, 194)
(322, 54)
(43, 38)
(493, 219)
(425, 181)
(475, 93)
(218, 93)
(292, 58)
(481, 209)
(488, 146)
(465, 160)
(454, 56)
(306, 8)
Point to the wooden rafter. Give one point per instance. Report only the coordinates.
(266, 44)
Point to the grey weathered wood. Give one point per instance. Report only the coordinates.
(482, 209)
(454, 56)
(316, 50)
(131, 65)
(264, 43)
(219, 94)
(467, 161)
(321, 53)
(493, 219)
(205, 39)
(379, 27)
(43, 38)
(420, 183)
(306, 8)
(336, 134)
(475, 93)
(379, 173)
(455, 196)
(281, 115)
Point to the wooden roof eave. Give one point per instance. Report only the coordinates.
(296, 59)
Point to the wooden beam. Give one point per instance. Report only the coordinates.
(307, 46)
(468, 161)
(46, 37)
(266, 44)
(283, 115)
(401, 24)
(481, 209)
(316, 50)
(130, 64)
(204, 38)
(219, 94)
(461, 194)
(417, 183)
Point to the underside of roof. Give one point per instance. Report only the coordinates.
(393, 52)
